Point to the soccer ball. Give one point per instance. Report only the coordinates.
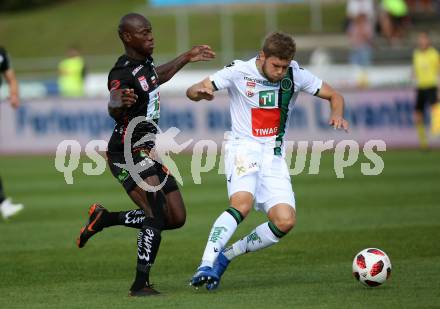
(371, 267)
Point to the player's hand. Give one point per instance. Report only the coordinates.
(337, 122)
(201, 53)
(128, 97)
(205, 94)
(15, 101)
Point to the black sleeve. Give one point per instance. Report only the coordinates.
(119, 79)
(4, 60)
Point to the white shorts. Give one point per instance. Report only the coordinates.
(252, 167)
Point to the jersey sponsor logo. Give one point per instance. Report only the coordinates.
(115, 84)
(261, 81)
(143, 81)
(265, 122)
(250, 89)
(267, 98)
(136, 70)
(153, 109)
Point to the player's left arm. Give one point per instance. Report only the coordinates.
(336, 105)
(197, 53)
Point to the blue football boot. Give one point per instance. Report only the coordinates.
(203, 275)
(219, 268)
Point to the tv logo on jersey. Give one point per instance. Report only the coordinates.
(144, 84)
(267, 98)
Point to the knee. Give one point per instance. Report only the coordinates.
(179, 220)
(285, 224)
(242, 202)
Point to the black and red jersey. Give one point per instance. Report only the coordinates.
(141, 76)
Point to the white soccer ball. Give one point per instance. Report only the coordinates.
(371, 267)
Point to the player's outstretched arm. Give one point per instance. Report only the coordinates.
(201, 91)
(336, 100)
(197, 53)
(10, 78)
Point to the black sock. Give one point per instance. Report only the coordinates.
(2, 194)
(135, 218)
(148, 245)
(131, 218)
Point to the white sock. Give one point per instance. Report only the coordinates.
(260, 238)
(221, 232)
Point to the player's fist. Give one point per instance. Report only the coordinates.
(205, 94)
(120, 98)
(14, 100)
(128, 97)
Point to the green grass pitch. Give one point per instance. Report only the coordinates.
(398, 211)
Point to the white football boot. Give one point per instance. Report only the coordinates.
(8, 209)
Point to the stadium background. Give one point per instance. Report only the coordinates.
(396, 210)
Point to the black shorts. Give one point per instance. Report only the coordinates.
(426, 97)
(124, 177)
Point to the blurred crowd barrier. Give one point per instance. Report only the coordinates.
(40, 125)
(339, 76)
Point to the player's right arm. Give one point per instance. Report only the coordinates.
(203, 90)
(122, 95)
(120, 101)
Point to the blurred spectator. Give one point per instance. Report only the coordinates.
(320, 57)
(71, 74)
(426, 66)
(393, 19)
(360, 34)
(357, 7)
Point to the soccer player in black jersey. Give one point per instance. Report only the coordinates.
(134, 91)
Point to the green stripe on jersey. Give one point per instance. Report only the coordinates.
(284, 96)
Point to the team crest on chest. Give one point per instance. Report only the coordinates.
(286, 84)
(250, 88)
(143, 81)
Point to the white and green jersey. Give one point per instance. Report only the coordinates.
(259, 108)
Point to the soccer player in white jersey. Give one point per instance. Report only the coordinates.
(262, 93)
